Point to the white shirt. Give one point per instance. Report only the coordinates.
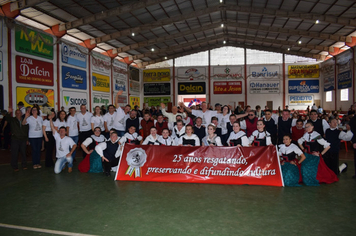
(47, 125)
(23, 110)
(346, 136)
(120, 119)
(35, 127)
(150, 138)
(323, 122)
(193, 136)
(215, 140)
(89, 140)
(284, 150)
(109, 120)
(234, 136)
(59, 123)
(172, 117)
(128, 136)
(260, 135)
(84, 121)
(72, 123)
(169, 141)
(63, 145)
(223, 120)
(102, 146)
(206, 116)
(176, 132)
(309, 137)
(98, 121)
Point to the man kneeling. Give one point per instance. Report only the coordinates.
(63, 144)
(109, 152)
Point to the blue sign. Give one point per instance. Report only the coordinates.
(71, 55)
(120, 85)
(344, 80)
(303, 86)
(74, 78)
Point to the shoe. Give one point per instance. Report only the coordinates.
(35, 167)
(343, 167)
(24, 168)
(39, 166)
(107, 174)
(70, 169)
(16, 170)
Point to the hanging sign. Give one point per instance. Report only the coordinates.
(74, 99)
(101, 63)
(134, 74)
(156, 75)
(264, 72)
(34, 43)
(265, 86)
(74, 78)
(157, 89)
(134, 101)
(227, 72)
(329, 77)
(31, 96)
(122, 100)
(134, 87)
(101, 82)
(119, 75)
(191, 73)
(303, 71)
(301, 100)
(32, 71)
(100, 99)
(191, 88)
(211, 165)
(156, 101)
(73, 56)
(303, 86)
(1, 67)
(344, 77)
(227, 87)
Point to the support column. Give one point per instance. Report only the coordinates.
(245, 55)
(174, 82)
(209, 86)
(284, 80)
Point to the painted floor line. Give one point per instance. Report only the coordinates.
(48, 231)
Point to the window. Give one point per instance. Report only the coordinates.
(227, 56)
(344, 94)
(329, 96)
(196, 59)
(263, 57)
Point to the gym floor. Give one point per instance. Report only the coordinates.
(39, 202)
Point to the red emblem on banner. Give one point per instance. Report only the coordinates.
(213, 165)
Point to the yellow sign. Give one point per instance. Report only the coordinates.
(156, 75)
(31, 96)
(101, 82)
(134, 101)
(303, 71)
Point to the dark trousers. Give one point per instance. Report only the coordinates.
(50, 147)
(16, 148)
(224, 138)
(107, 165)
(274, 139)
(82, 137)
(7, 139)
(36, 145)
(332, 161)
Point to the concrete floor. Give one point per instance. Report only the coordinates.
(94, 204)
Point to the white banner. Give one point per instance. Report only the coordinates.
(301, 100)
(119, 75)
(191, 73)
(227, 72)
(101, 63)
(74, 99)
(264, 72)
(265, 86)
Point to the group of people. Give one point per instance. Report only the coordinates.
(308, 148)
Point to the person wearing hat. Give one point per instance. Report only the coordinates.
(21, 107)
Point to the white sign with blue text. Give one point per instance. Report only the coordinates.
(264, 72)
(73, 56)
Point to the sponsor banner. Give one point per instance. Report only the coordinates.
(264, 72)
(122, 100)
(156, 101)
(303, 86)
(211, 165)
(34, 43)
(301, 100)
(344, 80)
(31, 96)
(1, 34)
(74, 99)
(1, 66)
(100, 82)
(329, 77)
(100, 99)
(119, 75)
(191, 88)
(1, 97)
(134, 101)
(265, 87)
(227, 87)
(74, 78)
(32, 71)
(101, 63)
(73, 56)
(197, 73)
(156, 75)
(134, 74)
(303, 71)
(134, 87)
(157, 89)
(225, 72)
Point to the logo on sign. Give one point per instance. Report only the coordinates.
(74, 101)
(191, 88)
(77, 78)
(36, 98)
(265, 73)
(135, 159)
(26, 70)
(192, 71)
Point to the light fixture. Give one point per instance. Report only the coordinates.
(224, 42)
(152, 49)
(299, 42)
(317, 22)
(222, 25)
(221, 1)
(133, 34)
(288, 49)
(165, 58)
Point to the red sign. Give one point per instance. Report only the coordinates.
(228, 87)
(31, 71)
(212, 165)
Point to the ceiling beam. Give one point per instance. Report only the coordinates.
(22, 4)
(109, 13)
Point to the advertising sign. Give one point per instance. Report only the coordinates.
(122, 100)
(156, 75)
(134, 87)
(157, 89)
(265, 87)
(211, 165)
(303, 71)
(119, 75)
(73, 56)
(227, 72)
(1, 97)
(264, 72)
(33, 43)
(1, 66)
(301, 100)
(134, 101)
(303, 86)
(228, 87)
(191, 88)
(74, 78)
(74, 99)
(134, 74)
(191, 73)
(1, 32)
(101, 63)
(31, 71)
(156, 101)
(329, 77)
(344, 77)
(100, 99)
(31, 96)
(101, 82)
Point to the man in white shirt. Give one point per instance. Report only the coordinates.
(109, 119)
(63, 145)
(84, 120)
(121, 116)
(171, 116)
(72, 127)
(204, 113)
